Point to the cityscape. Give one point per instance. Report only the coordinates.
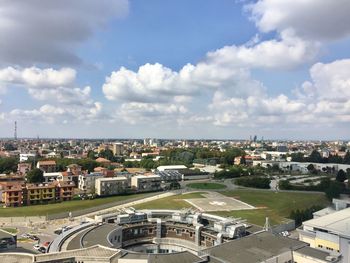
(175, 131)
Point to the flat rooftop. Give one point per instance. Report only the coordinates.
(337, 222)
(254, 248)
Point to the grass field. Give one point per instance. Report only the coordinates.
(10, 230)
(207, 186)
(171, 202)
(276, 206)
(43, 210)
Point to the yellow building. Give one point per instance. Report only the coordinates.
(330, 232)
(40, 193)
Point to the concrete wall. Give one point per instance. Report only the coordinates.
(116, 237)
(22, 220)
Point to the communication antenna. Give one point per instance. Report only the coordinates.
(15, 130)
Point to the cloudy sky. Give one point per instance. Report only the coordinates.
(175, 69)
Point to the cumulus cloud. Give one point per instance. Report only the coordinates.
(57, 88)
(309, 19)
(135, 112)
(48, 32)
(57, 114)
(329, 81)
(47, 84)
(323, 100)
(287, 52)
(38, 78)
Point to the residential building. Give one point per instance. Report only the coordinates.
(74, 169)
(111, 186)
(64, 190)
(5, 178)
(144, 183)
(48, 166)
(51, 177)
(23, 168)
(39, 193)
(86, 182)
(23, 157)
(118, 148)
(12, 195)
(68, 177)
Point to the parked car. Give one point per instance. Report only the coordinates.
(36, 247)
(25, 235)
(46, 244)
(58, 231)
(42, 249)
(35, 238)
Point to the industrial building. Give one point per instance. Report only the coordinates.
(329, 232)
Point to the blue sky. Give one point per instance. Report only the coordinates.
(175, 69)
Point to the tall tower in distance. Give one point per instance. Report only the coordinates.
(15, 131)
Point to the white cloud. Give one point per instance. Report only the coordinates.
(47, 84)
(57, 88)
(310, 19)
(35, 31)
(325, 100)
(59, 114)
(38, 78)
(150, 83)
(287, 52)
(329, 81)
(135, 112)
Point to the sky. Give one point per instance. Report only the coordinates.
(198, 69)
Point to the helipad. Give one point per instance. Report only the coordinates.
(218, 202)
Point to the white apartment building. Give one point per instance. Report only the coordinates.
(111, 186)
(146, 183)
(86, 182)
(23, 157)
(118, 148)
(50, 177)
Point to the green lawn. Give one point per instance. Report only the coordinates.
(207, 186)
(43, 210)
(170, 202)
(10, 230)
(276, 206)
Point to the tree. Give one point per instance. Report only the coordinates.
(91, 155)
(9, 147)
(341, 176)
(108, 154)
(311, 169)
(334, 190)
(347, 158)
(298, 157)
(315, 157)
(35, 176)
(302, 215)
(8, 165)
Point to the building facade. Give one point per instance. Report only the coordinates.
(111, 186)
(145, 183)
